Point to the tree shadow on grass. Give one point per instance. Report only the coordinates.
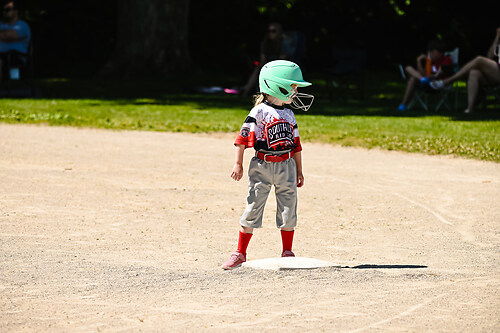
(136, 92)
(382, 94)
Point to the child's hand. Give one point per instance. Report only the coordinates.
(300, 179)
(237, 173)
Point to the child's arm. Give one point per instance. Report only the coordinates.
(421, 64)
(237, 173)
(298, 162)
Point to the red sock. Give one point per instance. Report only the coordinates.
(243, 241)
(287, 239)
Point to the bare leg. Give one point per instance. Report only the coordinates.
(413, 73)
(410, 90)
(476, 79)
(487, 67)
(472, 88)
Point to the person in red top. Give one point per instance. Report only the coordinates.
(435, 65)
(271, 130)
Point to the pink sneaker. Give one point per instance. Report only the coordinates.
(287, 253)
(234, 261)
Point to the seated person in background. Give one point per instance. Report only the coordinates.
(274, 46)
(483, 71)
(15, 36)
(434, 65)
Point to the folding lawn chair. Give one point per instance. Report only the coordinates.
(490, 96)
(448, 96)
(20, 84)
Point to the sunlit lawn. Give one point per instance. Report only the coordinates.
(342, 119)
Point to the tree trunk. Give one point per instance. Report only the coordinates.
(151, 39)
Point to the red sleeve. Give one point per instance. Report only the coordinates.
(447, 61)
(246, 137)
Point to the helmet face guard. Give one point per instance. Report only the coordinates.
(298, 103)
(276, 79)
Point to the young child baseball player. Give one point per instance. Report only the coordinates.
(271, 129)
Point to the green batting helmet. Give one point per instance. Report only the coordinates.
(276, 79)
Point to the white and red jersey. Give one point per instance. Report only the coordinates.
(269, 127)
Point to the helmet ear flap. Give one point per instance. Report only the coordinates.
(273, 88)
(282, 90)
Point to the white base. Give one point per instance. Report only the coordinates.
(288, 263)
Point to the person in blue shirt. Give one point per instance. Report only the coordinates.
(15, 36)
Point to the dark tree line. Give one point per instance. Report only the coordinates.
(130, 38)
(151, 39)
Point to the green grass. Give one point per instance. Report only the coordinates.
(138, 114)
(348, 121)
(430, 135)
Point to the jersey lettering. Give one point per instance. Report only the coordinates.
(279, 133)
(267, 128)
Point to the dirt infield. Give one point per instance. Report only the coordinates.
(126, 231)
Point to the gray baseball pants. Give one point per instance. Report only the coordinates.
(262, 176)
